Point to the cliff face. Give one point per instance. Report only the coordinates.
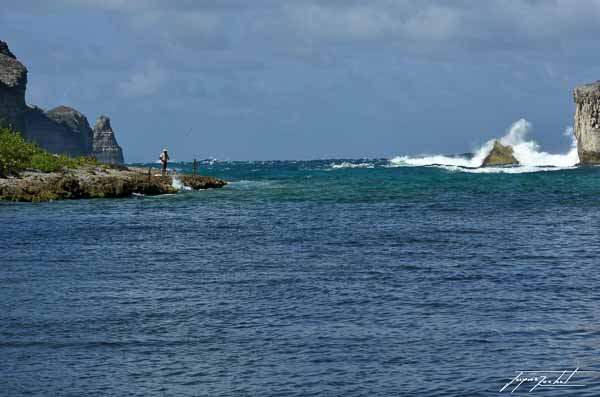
(60, 130)
(587, 122)
(13, 81)
(105, 148)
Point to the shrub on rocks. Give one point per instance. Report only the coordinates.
(16, 155)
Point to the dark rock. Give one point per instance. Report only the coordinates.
(13, 82)
(105, 146)
(586, 126)
(500, 155)
(61, 130)
(202, 182)
(75, 121)
(4, 50)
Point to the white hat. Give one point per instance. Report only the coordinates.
(164, 150)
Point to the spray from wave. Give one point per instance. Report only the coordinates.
(347, 164)
(525, 151)
(178, 184)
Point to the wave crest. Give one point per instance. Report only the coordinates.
(528, 154)
(347, 164)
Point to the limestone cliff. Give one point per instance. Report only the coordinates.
(500, 155)
(60, 130)
(13, 81)
(106, 149)
(587, 122)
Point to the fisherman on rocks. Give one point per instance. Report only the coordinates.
(164, 159)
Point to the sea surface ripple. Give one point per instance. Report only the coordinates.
(306, 279)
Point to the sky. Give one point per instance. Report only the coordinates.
(308, 79)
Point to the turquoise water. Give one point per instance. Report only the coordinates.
(315, 278)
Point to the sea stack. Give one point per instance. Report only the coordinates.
(500, 155)
(106, 149)
(62, 130)
(587, 122)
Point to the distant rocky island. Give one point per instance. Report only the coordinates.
(62, 130)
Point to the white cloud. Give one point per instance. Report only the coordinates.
(308, 28)
(486, 25)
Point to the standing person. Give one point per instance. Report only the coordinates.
(164, 159)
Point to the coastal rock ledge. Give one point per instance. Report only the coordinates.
(587, 122)
(96, 181)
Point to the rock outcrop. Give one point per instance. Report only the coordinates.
(105, 147)
(202, 182)
(62, 130)
(587, 122)
(93, 181)
(13, 82)
(500, 155)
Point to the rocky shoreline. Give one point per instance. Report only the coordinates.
(96, 181)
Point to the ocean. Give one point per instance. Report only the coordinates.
(308, 278)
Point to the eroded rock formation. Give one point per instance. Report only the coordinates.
(106, 149)
(500, 155)
(61, 130)
(13, 82)
(587, 122)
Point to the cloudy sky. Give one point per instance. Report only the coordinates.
(305, 79)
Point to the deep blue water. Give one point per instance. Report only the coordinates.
(299, 279)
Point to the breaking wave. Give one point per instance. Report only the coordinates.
(527, 152)
(178, 184)
(347, 164)
(248, 184)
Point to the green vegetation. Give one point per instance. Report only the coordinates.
(17, 155)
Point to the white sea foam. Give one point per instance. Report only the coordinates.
(248, 184)
(502, 170)
(347, 164)
(528, 154)
(177, 184)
